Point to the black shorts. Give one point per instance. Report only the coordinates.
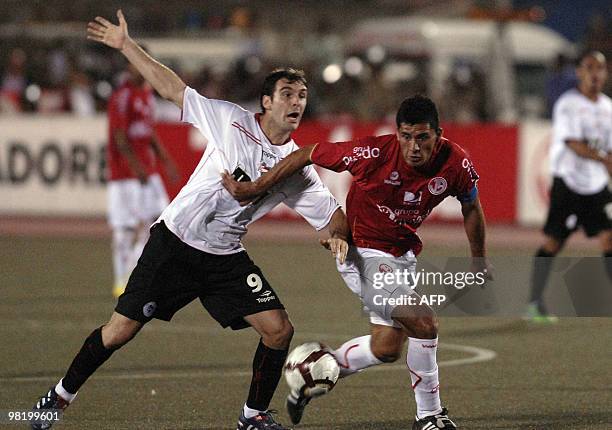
(570, 210)
(170, 274)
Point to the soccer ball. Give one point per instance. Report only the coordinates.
(311, 369)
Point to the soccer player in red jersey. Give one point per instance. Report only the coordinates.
(397, 180)
(136, 194)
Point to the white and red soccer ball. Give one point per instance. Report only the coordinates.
(311, 369)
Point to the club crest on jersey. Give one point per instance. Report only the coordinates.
(393, 179)
(411, 198)
(437, 185)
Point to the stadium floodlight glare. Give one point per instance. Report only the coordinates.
(353, 66)
(32, 93)
(104, 89)
(376, 54)
(332, 73)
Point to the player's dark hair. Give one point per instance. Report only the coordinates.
(269, 84)
(416, 110)
(589, 53)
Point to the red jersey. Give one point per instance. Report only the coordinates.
(130, 109)
(389, 199)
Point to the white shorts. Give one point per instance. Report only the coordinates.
(131, 203)
(359, 272)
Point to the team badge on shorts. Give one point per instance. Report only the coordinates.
(385, 268)
(149, 309)
(437, 185)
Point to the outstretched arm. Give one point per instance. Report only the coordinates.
(245, 192)
(474, 224)
(165, 81)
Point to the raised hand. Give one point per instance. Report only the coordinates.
(106, 32)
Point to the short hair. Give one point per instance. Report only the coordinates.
(590, 53)
(416, 110)
(290, 74)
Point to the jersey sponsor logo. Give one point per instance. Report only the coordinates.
(412, 199)
(437, 185)
(467, 164)
(361, 152)
(393, 179)
(148, 309)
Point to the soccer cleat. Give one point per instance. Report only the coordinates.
(263, 421)
(433, 422)
(49, 402)
(295, 407)
(536, 315)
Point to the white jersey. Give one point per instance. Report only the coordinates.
(576, 117)
(204, 215)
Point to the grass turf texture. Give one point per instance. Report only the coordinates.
(191, 374)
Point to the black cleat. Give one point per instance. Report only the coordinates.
(296, 406)
(433, 422)
(263, 421)
(50, 402)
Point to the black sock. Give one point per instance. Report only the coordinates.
(608, 263)
(541, 269)
(88, 359)
(267, 369)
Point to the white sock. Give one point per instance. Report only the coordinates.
(61, 391)
(423, 369)
(355, 355)
(250, 413)
(123, 245)
(140, 242)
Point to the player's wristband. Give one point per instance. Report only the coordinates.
(602, 155)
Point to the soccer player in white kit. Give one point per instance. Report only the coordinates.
(195, 249)
(581, 164)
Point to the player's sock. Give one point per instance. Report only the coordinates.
(141, 240)
(541, 270)
(355, 355)
(421, 360)
(123, 244)
(608, 263)
(250, 413)
(267, 369)
(63, 393)
(88, 359)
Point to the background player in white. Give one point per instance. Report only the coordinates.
(136, 194)
(397, 180)
(581, 164)
(195, 249)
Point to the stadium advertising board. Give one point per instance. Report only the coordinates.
(56, 166)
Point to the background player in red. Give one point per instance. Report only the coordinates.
(397, 180)
(136, 194)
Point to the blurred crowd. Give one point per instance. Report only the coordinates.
(68, 74)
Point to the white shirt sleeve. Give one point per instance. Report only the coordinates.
(310, 198)
(566, 120)
(209, 116)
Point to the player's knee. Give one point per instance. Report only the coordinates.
(115, 334)
(279, 335)
(425, 327)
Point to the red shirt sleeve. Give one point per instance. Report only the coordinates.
(465, 188)
(353, 156)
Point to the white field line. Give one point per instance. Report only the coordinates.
(478, 355)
